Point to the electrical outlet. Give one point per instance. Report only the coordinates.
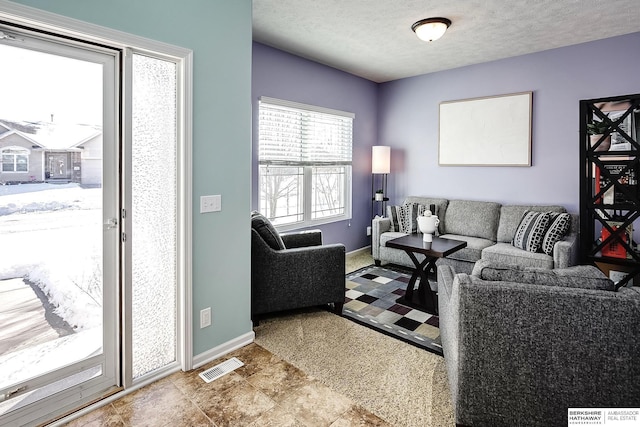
(205, 317)
(369, 231)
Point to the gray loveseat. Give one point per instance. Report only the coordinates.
(524, 353)
(487, 227)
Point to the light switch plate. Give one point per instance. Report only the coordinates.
(210, 203)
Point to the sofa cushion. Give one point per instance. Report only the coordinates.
(530, 232)
(511, 215)
(266, 230)
(559, 224)
(579, 276)
(506, 253)
(472, 218)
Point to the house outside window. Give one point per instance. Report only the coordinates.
(15, 159)
(304, 163)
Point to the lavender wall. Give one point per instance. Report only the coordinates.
(404, 115)
(280, 75)
(558, 78)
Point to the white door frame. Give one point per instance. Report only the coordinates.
(76, 29)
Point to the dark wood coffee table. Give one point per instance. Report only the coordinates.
(425, 299)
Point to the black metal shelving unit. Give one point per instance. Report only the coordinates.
(609, 186)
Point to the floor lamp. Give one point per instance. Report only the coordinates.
(380, 165)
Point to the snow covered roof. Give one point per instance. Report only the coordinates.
(51, 135)
(9, 132)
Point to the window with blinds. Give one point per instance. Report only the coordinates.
(304, 163)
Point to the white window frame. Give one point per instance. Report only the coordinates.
(24, 152)
(307, 170)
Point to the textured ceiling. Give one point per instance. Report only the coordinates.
(373, 38)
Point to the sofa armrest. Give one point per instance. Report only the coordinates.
(378, 226)
(302, 239)
(531, 352)
(565, 251)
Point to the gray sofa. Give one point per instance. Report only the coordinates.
(524, 353)
(487, 227)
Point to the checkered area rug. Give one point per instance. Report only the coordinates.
(371, 301)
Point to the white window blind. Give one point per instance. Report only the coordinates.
(301, 135)
(304, 154)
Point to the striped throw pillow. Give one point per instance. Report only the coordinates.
(400, 217)
(531, 230)
(559, 224)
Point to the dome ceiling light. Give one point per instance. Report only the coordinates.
(431, 29)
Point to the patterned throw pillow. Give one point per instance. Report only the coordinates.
(405, 218)
(530, 232)
(559, 224)
(400, 217)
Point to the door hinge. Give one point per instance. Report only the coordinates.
(124, 237)
(124, 213)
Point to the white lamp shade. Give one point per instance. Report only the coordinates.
(431, 29)
(381, 159)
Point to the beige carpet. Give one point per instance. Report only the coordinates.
(398, 382)
(358, 259)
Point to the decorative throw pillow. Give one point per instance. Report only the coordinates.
(266, 230)
(559, 224)
(400, 218)
(412, 214)
(531, 230)
(392, 214)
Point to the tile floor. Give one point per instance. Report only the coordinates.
(266, 391)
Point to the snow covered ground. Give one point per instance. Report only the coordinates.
(51, 234)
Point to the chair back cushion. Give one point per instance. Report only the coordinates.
(266, 230)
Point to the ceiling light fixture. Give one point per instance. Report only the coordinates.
(431, 29)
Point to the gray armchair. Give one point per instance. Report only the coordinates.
(523, 346)
(291, 271)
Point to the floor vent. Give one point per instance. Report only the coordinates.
(221, 369)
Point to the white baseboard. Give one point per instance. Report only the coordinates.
(222, 349)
